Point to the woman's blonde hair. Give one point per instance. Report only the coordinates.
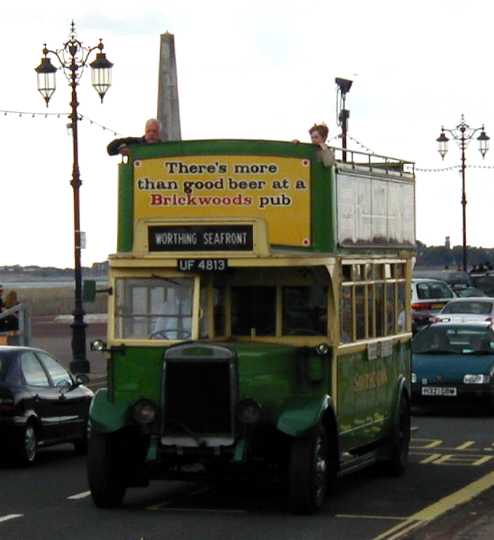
(11, 300)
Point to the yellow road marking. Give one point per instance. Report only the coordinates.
(368, 516)
(426, 444)
(433, 511)
(430, 459)
(465, 445)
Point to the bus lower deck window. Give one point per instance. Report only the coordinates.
(305, 311)
(254, 311)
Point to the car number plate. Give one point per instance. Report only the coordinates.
(437, 306)
(439, 391)
(202, 265)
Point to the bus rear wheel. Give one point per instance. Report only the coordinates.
(400, 442)
(106, 479)
(308, 472)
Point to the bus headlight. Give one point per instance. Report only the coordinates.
(249, 412)
(322, 349)
(476, 379)
(414, 378)
(144, 412)
(98, 345)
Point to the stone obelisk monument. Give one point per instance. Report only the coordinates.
(168, 108)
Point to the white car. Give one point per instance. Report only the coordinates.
(429, 296)
(467, 310)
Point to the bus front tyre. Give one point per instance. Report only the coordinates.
(106, 480)
(308, 472)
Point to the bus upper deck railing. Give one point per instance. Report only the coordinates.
(361, 161)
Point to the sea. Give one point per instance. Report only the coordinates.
(45, 284)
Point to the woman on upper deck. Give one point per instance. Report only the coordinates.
(318, 135)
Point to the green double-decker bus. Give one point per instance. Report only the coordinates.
(258, 318)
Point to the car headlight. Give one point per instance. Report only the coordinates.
(144, 412)
(249, 412)
(476, 379)
(414, 378)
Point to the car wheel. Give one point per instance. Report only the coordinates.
(396, 464)
(106, 479)
(27, 448)
(308, 472)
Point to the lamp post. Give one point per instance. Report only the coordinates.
(342, 114)
(463, 133)
(73, 57)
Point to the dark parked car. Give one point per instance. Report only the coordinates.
(452, 361)
(40, 404)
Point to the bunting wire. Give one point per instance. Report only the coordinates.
(32, 114)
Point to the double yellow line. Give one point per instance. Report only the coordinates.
(438, 508)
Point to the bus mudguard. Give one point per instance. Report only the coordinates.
(300, 414)
(105, 416)
(401, 390)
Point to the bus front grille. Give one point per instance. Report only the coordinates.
(199, 400)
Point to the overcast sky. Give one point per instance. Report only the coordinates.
(251, 69)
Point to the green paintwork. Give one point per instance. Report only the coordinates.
(107, 416)
(366, 411)
(125, 208)
(322, 226)
(301, 414)
(268, 373)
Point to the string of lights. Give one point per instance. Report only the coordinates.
(32, 114)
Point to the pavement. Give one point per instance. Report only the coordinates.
(54, 334)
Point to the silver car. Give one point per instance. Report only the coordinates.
(467, 310)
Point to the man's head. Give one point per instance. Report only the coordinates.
(152, 131)
(319, 133)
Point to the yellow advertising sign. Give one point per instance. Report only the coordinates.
(275, 189)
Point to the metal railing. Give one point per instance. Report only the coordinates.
(358, 160)
(15, 326)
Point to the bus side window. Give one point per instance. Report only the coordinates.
(346, 314)
(305, 311)
(380, 309)
(253, 311)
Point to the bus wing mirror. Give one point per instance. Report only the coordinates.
(89, 290)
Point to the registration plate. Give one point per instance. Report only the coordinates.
(439, 391)
(202, 265)
(437, 306)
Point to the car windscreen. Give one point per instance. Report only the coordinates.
(468, 308)
(438, 339)
(428, 290)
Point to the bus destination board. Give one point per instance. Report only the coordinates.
(200, 238)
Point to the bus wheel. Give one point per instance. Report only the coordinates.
(308, 472)
(400, 443)
(106, 480)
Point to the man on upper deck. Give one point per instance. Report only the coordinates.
(151, 136)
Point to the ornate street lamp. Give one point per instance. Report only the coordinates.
(463, 133)
(73, 57)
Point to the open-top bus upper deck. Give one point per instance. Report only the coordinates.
(243, 199)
